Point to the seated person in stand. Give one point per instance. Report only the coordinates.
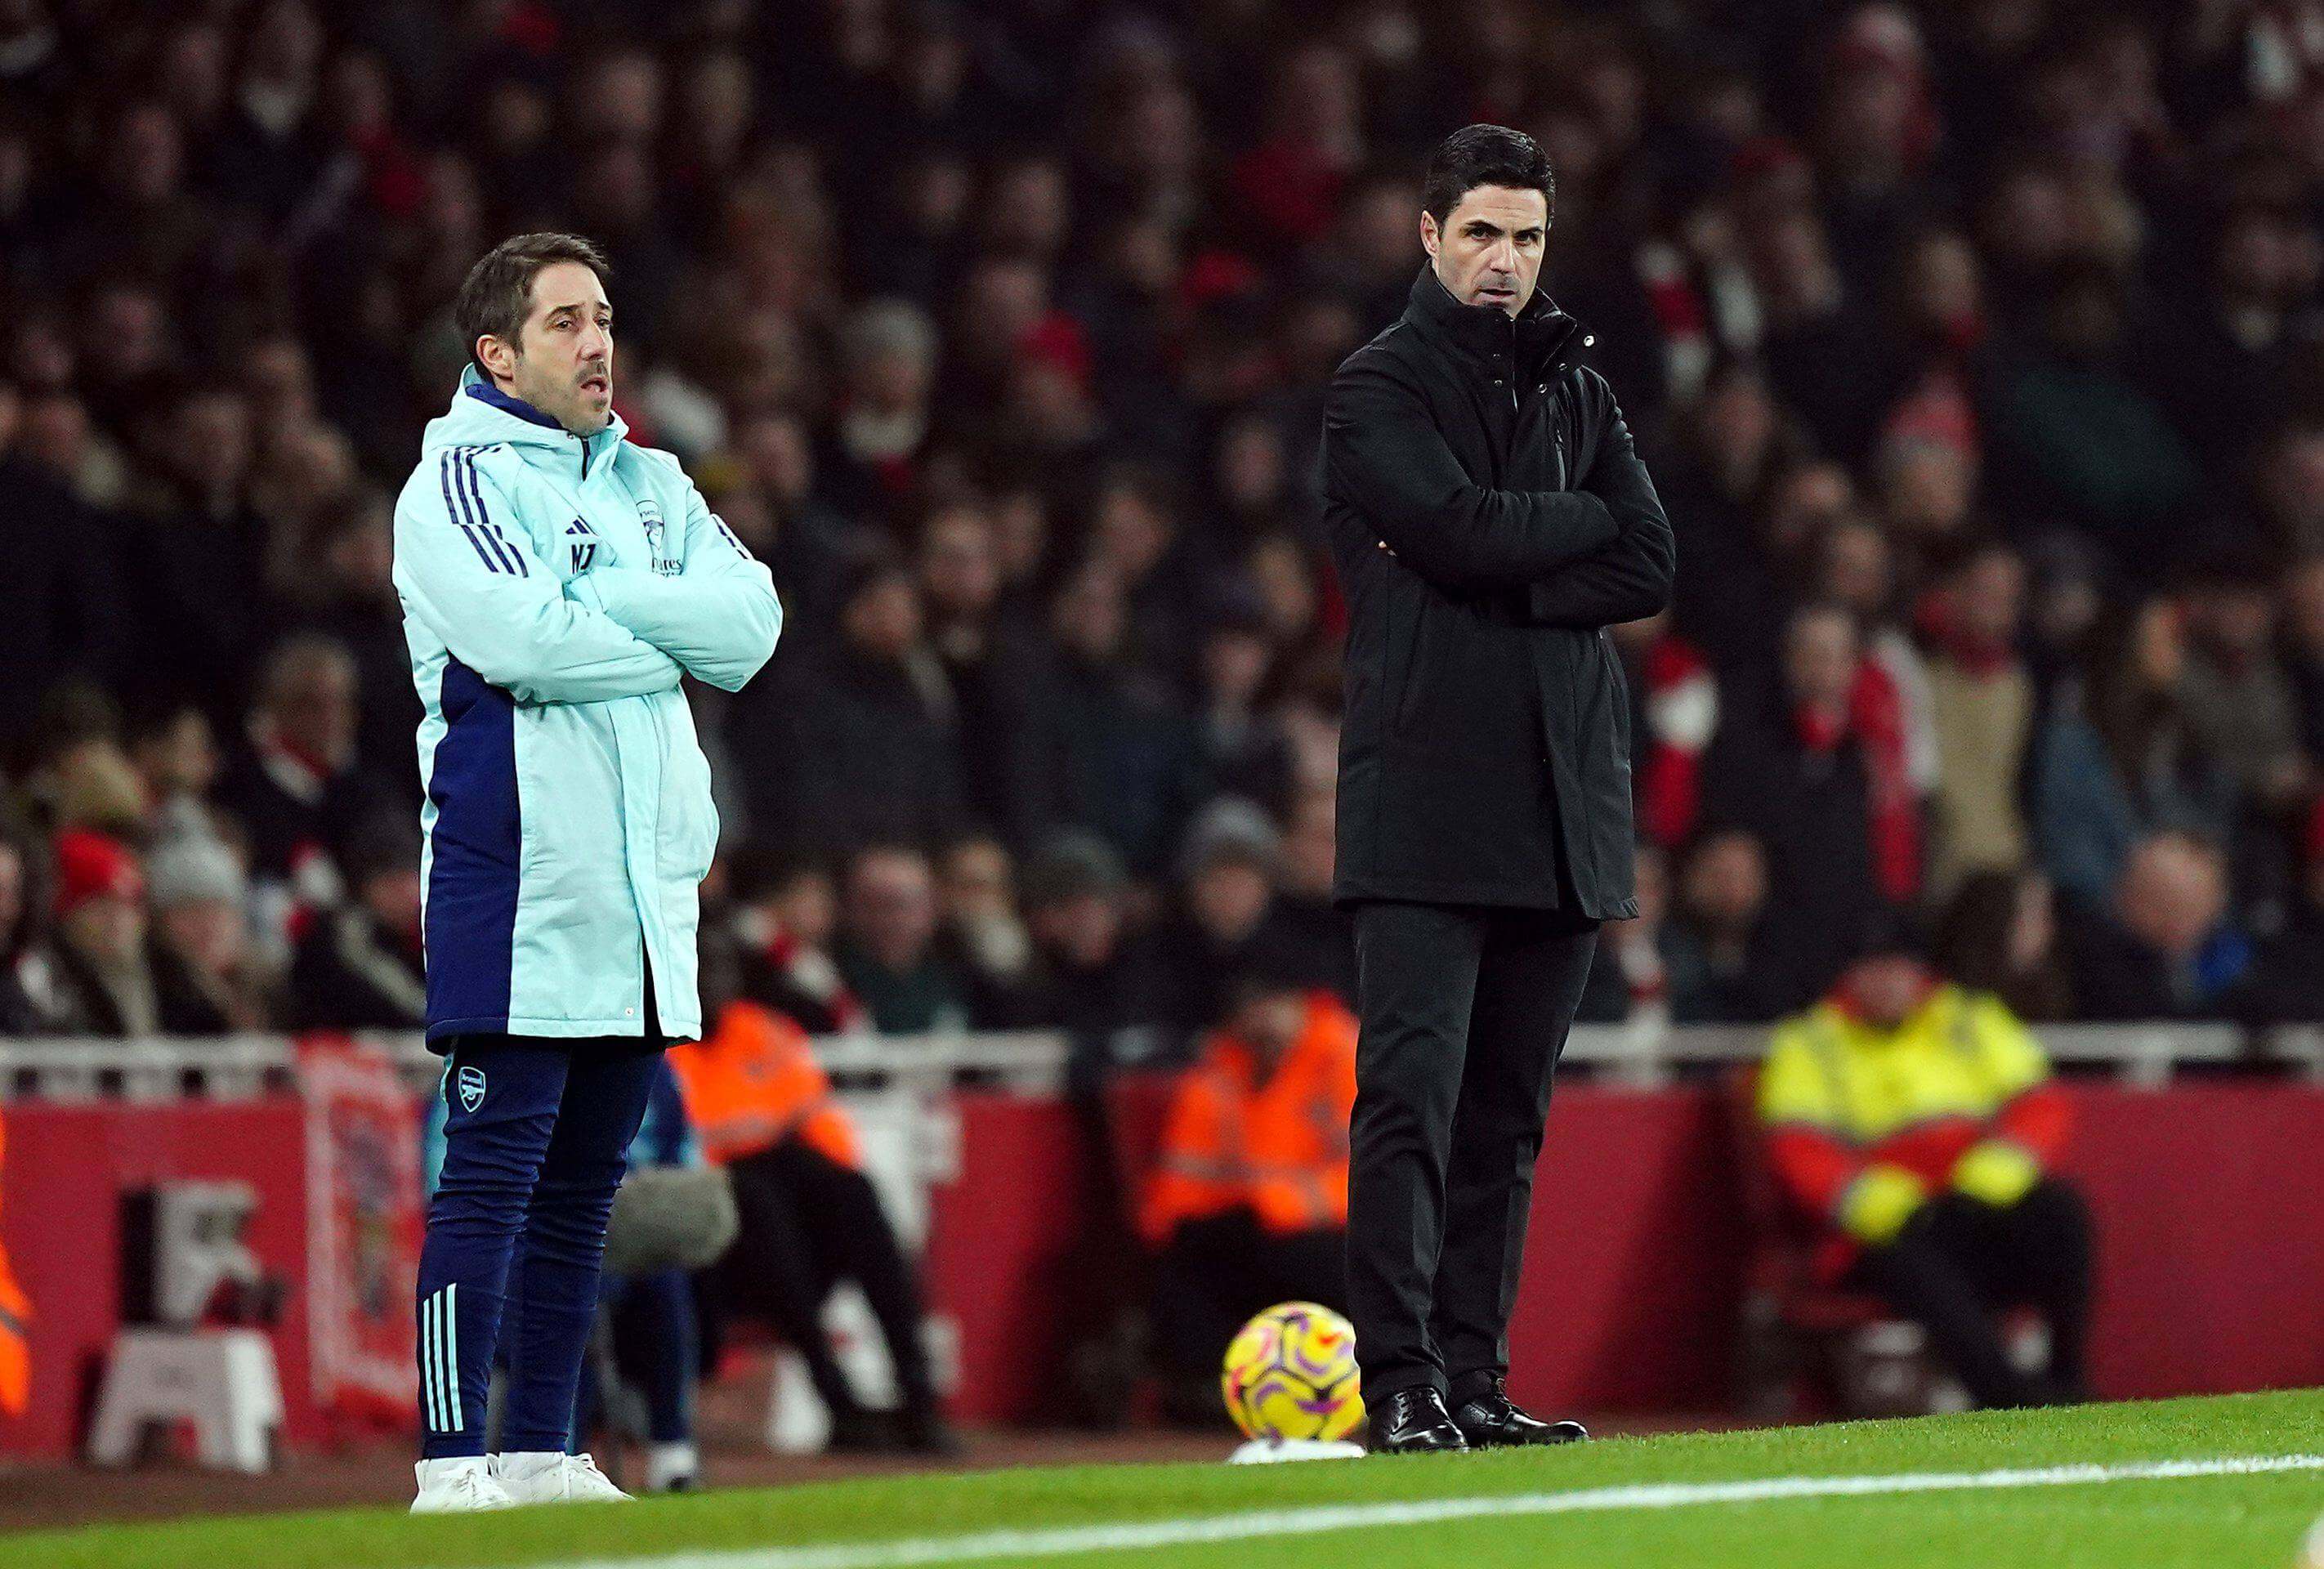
(763, 1109)
(1918, 1121)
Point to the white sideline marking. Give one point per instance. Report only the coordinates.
(1132, 1535)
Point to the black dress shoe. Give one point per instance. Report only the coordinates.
(1494, 1421)
(1412, 1422)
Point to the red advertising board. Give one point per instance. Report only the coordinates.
(364, 1223)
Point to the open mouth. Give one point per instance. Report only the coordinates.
(595, 385)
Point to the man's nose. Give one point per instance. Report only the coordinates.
(1504, 255)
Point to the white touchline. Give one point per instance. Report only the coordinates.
(1133, 1536)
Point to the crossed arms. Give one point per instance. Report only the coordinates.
(617, 631)
(1587, 557)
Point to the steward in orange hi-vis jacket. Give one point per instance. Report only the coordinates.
(1918, 1121)
(763, 1109)
(15, 1318)
(1261, 1129)
(1248, 1205)
(754, 1082)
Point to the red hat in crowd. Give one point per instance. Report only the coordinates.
(91, 865)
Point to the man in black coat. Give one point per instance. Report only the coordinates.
(1491, 520)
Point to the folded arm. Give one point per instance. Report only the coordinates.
(1384, 456)
(1631, 577)
(719, 617)
(502, 611)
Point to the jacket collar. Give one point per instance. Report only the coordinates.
(481, 415)
(485, 392)
(1541, 334)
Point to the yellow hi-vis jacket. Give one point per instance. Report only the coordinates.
(1863, 1124)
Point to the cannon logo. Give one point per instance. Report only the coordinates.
(649, 515)
(471, 1088)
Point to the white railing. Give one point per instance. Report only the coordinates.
(236, 1067)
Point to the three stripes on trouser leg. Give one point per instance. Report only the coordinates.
(439, 1360)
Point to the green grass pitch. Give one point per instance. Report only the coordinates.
(1686, 1501)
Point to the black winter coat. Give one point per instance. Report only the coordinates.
(1490, 518)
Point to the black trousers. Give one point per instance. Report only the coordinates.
(1464, 1011)
(1215, 1272)
(808, 1223)
(1959, 1258)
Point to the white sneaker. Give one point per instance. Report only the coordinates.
(460, 1486)
(554, 1479)
(673, 1468)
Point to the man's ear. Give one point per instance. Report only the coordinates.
(1428, 236)
(496, 355)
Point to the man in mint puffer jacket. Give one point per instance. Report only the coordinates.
(557, 585)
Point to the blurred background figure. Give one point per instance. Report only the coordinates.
(1248, 1204)
(2165, 948)
(1792, 765)
(1917, 1121)
(358, 967)
(809, 1218)
(886, 951)
(1718, 968)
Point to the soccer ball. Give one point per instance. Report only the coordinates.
(1291, 1373)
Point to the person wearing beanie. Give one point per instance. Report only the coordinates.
(104, 978)
(1094, 975)
(1227, 878)
(206, 976)
(1917, 1124)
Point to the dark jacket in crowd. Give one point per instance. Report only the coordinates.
(2117, 978)
(169, 999)
(1490, 518)
(1113, 753)
(1811, 808)
(293, 810)
(851, 751)
(2286, 983)
(350, 972)
(60, 606)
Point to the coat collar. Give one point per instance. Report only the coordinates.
(1541, 333)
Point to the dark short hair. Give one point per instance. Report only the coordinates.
(497, 293)
(1477, 155)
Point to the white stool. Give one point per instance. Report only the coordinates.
(222, 1380)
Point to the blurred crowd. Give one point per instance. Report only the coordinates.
(1976, 350)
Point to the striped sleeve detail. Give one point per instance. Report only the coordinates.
(457, 511)
(728, 535)
(482, 530)
(474, 490)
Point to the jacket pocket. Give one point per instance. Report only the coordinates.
(689, 815)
